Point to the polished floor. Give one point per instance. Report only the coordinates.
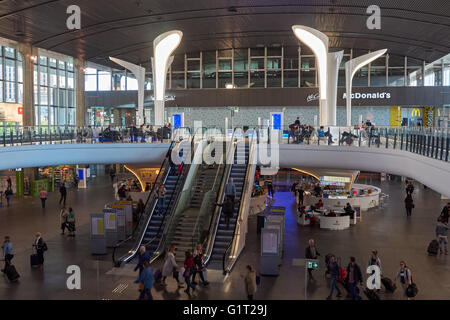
(387, 229)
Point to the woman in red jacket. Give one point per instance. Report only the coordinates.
(188, 265)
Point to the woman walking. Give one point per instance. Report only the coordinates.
(170, 267)
(43, 196)
(71, 223)
(199, 266)
(404, 274)
(409, 205)
(145, 281)
(64, 217)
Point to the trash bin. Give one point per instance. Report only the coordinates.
(261, 219)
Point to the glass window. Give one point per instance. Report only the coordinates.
(290, 79)
(70, 98)
(104, 80)
(178, 63)
(225, 64)
(361, 78)
(446, 75)
(10, 70)
(308, 78)
(256, 79)
(273, 79)
(62, 116)
(193, 80)
(53, 79)
(411, 62)
(257, 63)
(20, 93)
(308, 62)
(380, 62)
(193, 55)
(396, 61)
(132, 83)
(52, 97)
(70, 66)
(62, 78)
(118, 78)
(257, 52)
(241, 79)
(71, 116)
(225, 53)
(70, 80)
(1, 68)
(43, 76)
(1, 91)
(193, 65)
(341, 78)
(42, 61)
(10, 52)
(345, 58)
(209, 61)
(61, 65)
(19, 71)
(273, 63)
(224, 79)
(241, 59)
(44, 116)
(396, 77)
(10, 91)
(209, 79)
(90, 82)
(274, 51)
(377, 77)
(52, 62)
(62, 102)
(414, 76)
(43, 94)
(177, 80)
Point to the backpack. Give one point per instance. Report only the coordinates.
(342, 274)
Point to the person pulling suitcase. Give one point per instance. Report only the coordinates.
(8, 252)
(37, 260)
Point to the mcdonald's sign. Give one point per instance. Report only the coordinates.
(415, 112)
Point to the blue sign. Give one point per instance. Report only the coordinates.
(176, 120)
(80, 174)
(276, 121)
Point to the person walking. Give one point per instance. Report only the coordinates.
(270, 191)
(43, 196)
(64, 219)
(441, 235)
(444, 212)
(161, 199)
(112, 174)
(230, 189)
(228, 210)
(71, 223)
(333, 269)
(404, 274)
(8, 194)
(409, 188)
(199, 266)
(8, 252)
(144, 256)
(63, 192)
(188, 265)
(139, 210)
(145, 281)
(9, 182)
(409, 205)
(301, 194)
(40, 246)
(170, 267)
(354, 276)
(250, 282)
(311, 252)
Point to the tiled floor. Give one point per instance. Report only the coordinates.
(387, 230)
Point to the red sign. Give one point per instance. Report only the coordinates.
(20, 110)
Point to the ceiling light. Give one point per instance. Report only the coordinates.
(229, 86)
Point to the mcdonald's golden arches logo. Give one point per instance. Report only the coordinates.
(415, 112)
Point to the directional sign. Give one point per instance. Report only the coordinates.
(312, 264)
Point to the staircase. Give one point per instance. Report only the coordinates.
(183, 234)
(203, 184)
(224, 235)
(155, 222)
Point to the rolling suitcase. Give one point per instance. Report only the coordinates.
(388, 284)
(433, 248)
(12, 273)
(371, 294)
(34, 260)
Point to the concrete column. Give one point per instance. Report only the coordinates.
(28, 52)
(80, 98)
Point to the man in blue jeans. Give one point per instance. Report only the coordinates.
(354, 276)
(333, 269)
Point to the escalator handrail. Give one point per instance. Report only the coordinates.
(246, 183)
(220, 196)
(152, 193)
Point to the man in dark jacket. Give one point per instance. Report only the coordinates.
(444, 213)
(311, 252)
(63, 192)
(228, 210)
(354, 276)
(333, 269)
(144, 256)
(409, 188)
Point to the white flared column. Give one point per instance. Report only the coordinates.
(159, 112)
(334, 61)
(139, 73)
(351, 67)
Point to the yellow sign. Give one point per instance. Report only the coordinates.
(395, 116)
(100, 226)
(118, 206)
(415, 112)
(125, 202)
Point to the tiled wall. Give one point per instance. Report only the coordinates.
(248, 116)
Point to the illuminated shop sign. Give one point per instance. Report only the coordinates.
(11, 112)
(335, 179)
(369, 95)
